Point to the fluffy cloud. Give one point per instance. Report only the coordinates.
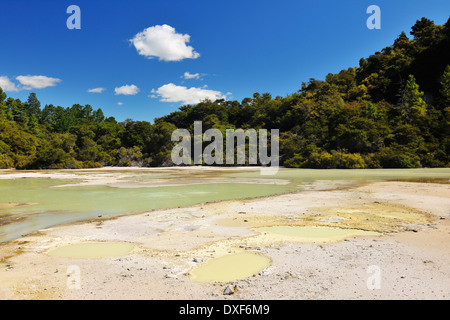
(173, 93)
(28, 83)
(163, 42)
(96, 90)
(128, 90)
(188, 76)
(37, 82)
(120, 103)
(7, 85)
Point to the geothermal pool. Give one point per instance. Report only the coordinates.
(92, 250)
(33, 200)
(230, 267)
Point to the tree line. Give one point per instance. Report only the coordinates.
(392, 111)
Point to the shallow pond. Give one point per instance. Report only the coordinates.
(48, 205)
(230, 267)
(92, 250)
(46, 201)
(312, 234)
(309, 175)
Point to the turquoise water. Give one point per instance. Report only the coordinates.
(51, 206)
(309, 175)
(138, 191)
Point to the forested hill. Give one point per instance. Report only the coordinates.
(392, 111)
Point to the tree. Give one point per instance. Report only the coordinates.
(401, 43)
(422, 28)
(5, 112)
(412, 106)
(425, 32)
(2, 95)
(33, 106)
(445, 87)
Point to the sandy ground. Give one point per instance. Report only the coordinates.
(410, 259)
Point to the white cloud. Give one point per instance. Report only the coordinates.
(163, 42)
(129, 90)
(120, 103)
(7, 85)
(37, 82)
(96, 90)
(188, 76)
(173, 93)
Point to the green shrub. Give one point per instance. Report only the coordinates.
(392, 158)
(344, 160)
(297, 161)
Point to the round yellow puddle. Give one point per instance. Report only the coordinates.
(92, 250)
(311, 234)
(230, 267)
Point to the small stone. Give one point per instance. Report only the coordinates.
(228, 290)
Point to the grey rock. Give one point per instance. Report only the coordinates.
(229, 290)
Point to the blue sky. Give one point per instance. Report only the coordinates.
(226, 48)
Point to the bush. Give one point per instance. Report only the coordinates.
(297, 161)
(127, 157)
(344, 160)
(316, 160)
(6, 162)
(91, 164)
(392, 158)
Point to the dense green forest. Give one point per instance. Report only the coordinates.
(392, 111)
